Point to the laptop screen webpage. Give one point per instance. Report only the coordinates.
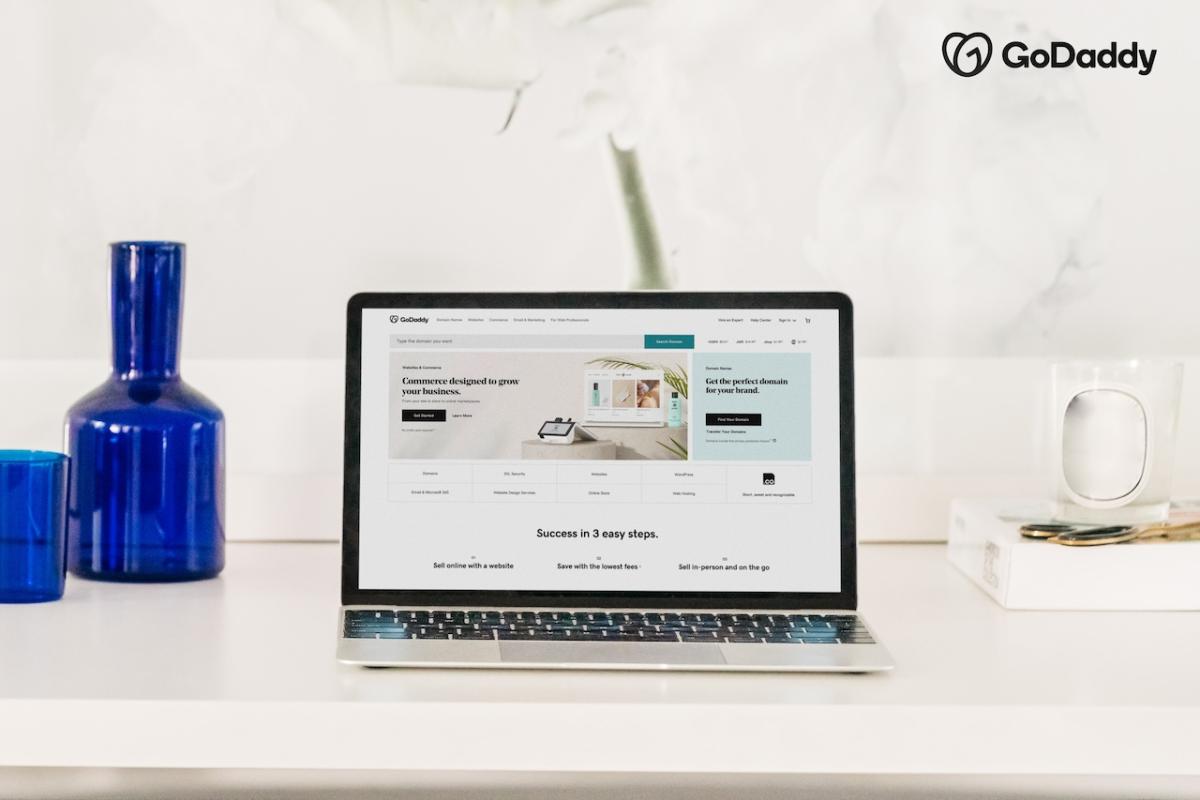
(663, 450)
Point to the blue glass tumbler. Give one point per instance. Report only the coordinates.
(33, 496)
(147, 499)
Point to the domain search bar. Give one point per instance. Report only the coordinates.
(533, 341)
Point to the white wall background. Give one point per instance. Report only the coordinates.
(309, 149)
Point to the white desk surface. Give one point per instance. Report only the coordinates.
(240, 672)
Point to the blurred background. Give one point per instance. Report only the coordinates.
(309, 149)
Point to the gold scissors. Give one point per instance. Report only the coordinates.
(1089, 536)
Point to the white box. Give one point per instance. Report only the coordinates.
(683, 493)
(515, 492)
(790, 484)
(429, 473)
(429, 492)
(683, 473)
(521, 472)
(601, 473)
(599, 493)
(1020, 573)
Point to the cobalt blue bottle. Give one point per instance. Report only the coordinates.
(147, 495)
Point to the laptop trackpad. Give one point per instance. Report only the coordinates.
(610, 653)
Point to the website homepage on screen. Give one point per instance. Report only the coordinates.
(670, 450)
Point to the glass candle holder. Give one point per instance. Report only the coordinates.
(33, 496)
(1113, 440)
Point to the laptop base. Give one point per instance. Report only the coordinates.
(592, 655)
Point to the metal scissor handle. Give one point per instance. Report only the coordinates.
(1088, 536)
(1046, 530)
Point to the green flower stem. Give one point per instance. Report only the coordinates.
(652, 273)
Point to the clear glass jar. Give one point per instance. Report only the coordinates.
(1113, 429)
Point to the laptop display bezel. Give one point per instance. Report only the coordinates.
(846, 598)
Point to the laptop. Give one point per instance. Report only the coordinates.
(654, 481)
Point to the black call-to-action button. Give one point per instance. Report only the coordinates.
(422, 415)
(736, 420)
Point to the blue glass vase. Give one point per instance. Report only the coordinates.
(147, 495)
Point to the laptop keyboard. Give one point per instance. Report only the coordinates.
(602, 626)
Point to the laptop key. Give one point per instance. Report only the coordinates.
(395, 633)
(526, 635)
(742, 639)
(430, 632)
(364, 629)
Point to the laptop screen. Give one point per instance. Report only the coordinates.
(599, 450)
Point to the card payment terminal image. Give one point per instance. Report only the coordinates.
(563, 431)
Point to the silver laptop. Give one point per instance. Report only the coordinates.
(601, 481)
